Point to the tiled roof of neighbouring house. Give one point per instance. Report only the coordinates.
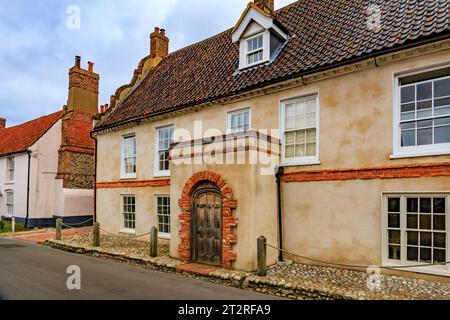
(20, 138)
(324, 33)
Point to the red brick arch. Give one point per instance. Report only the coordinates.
(229, 221)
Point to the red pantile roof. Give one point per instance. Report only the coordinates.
(323, 34)
(20, 138)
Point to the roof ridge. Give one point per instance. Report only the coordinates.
(36, 119)
(227, 30)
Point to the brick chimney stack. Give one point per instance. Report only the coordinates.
(83, 88)
(2, 123)
(266, 4)
(159, 45)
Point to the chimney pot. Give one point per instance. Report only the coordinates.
(2, 123)
(91, 66)
(157, 29)
(106, 107)
(78, 61)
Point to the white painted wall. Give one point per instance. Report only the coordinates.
(19, 185)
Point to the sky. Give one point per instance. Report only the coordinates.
(40, 39)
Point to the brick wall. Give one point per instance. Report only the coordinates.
(229, 238)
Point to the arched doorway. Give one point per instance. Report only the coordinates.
(207, 195)
(206, 225)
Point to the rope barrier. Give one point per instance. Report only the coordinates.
(126, 236)
(357, 266)
(74, 226)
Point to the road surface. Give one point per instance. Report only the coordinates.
(29, 271)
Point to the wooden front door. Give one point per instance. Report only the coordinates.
(207, 226)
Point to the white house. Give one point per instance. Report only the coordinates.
(47, 164)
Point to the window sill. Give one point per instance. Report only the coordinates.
(131, 177)
(164, 236)
(300, 163)
(10, 182)
(161, 175)
(437, 271)
(418, 154)
(128, 232)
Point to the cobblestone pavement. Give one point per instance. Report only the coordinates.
(295, 281)
(354, 283)
(124, 245)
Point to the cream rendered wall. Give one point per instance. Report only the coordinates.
(356, 123)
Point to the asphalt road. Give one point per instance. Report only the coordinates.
(32, 272)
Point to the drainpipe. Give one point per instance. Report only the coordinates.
(95, 176)
(28, 189)
(279, 174)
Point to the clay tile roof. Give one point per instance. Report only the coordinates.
(20, 138)
(324, 33)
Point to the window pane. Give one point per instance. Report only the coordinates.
(413, 238)
(394, 252)
(290, 152)
(439, 256)
(442, 88)
(425, 239)
(439, 205)
(408, 138)
(412, 221)
(424, 91)
(394, 221)
(394, 204)
(439, 223)
(394, 237)
(310, 149)
(413, 254)
(425, 205)
(442, 102)
(409, 107)
(442, 111)
(413, 205)
(408, 94)
(425, 222)
(424, 137)
(442, 134)
(439, 240)
(425, 255)
(427, 104)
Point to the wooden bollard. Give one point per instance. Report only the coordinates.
(262, 256)
(58, 229)
(96, 240)
(154, 242)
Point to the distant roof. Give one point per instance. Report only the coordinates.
(20, 138)
(324, 33)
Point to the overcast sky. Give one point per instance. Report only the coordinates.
(38, 47)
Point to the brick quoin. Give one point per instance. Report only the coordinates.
(229, 221)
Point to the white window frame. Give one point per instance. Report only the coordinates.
(9, 203)
(403, 263)
(230, 115)
(123, 228)
(300, 161)
(245, 51)
(10, 168)
(416, 151)
(157, 172)
(123, 174)
(161, 234)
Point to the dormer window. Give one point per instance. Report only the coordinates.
(255, 50)
(259, 35)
